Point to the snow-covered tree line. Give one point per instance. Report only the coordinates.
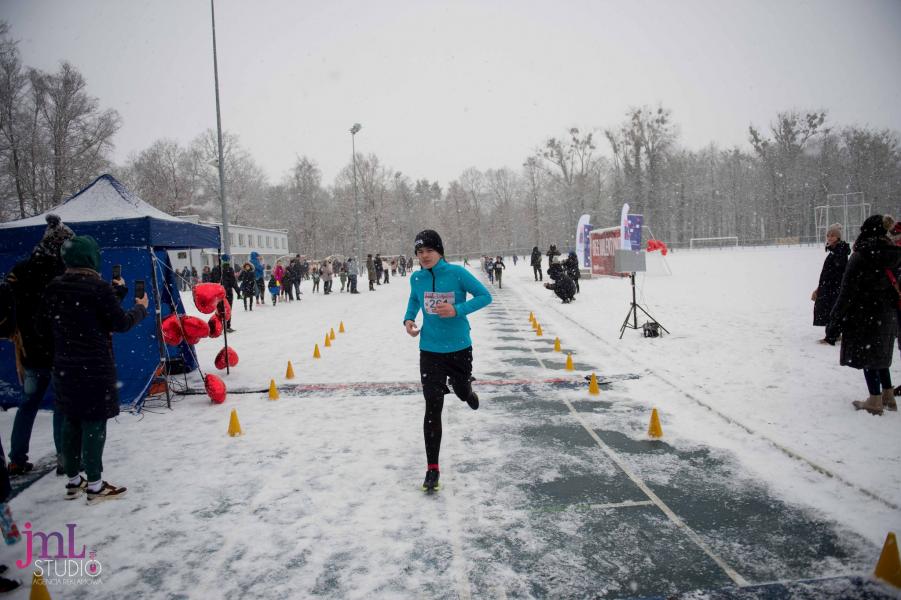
(54, 139)
(763, 192)
(53, 135)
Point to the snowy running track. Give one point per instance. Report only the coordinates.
(548, 492)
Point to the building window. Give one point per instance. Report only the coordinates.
(268, 242)
(182, 255)
(240, 239)
(234, 238)
(260, 240)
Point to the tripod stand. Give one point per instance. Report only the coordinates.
(633, 313)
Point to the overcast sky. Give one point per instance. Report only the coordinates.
(442, 86)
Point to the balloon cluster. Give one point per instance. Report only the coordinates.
(209, 299)
(657, 245)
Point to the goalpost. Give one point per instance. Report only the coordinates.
(713, 242)
(849, 210)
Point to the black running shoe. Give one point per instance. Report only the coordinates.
(431, 481)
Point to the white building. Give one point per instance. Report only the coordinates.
(270, 244)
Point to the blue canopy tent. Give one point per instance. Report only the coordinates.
(135, 235)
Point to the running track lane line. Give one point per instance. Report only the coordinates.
(672, 516)
(784, 449)
(458, 560)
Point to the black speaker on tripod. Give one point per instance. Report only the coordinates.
(629, 261)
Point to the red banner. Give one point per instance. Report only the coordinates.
(604, 244)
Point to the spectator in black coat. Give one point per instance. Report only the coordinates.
(536, 264)
(296, 274)
(865, 313)
(552, 252)
(226, 278)
(34, 352)
(562, 284)
(79, 312)
(837, 252)
(248, 283)
(379, 268)
(571, 265)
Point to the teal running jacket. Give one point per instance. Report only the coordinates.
(445, 283)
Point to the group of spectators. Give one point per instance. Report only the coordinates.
(564, 274)
(60, 315)
(251, 281)
(858, 300)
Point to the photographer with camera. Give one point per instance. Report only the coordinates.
(79, 313)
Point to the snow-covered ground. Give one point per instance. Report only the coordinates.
(320, 497)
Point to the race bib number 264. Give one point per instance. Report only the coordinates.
(433, 299)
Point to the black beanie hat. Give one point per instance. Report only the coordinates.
(429, 238)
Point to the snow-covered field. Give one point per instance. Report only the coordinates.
(320, 496)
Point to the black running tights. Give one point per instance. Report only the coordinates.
(435, 369)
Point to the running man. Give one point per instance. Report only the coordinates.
(445, 349)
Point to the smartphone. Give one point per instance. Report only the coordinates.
(117, 272)
(139, 288)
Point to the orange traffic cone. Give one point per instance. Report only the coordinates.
(273, 391)
(316, 352)
(654, 429)
(38, 588)
(328, 341)
(538, 331)
(331, 333)
(888, 568)
(341, 327)
(593, 387)
(557, 345)
(234, 426)
(569, 362)
(289, 374)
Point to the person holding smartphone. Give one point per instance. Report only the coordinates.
(439, 290)
(79, 313)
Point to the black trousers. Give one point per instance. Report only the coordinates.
(877, 380)
(536, 271)
(436, 369)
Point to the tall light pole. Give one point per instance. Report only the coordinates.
(353, 132)
(226, 240)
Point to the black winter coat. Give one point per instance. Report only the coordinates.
(225, 277)
(79, 312)
(571, 264)
(865, 312)
(248, 283)
(563, 286)
(536, 258)
(29, 280)
(830, 281)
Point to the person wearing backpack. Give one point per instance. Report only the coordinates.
(34, 352)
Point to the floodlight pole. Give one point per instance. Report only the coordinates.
(353, 132)
(226, 241)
